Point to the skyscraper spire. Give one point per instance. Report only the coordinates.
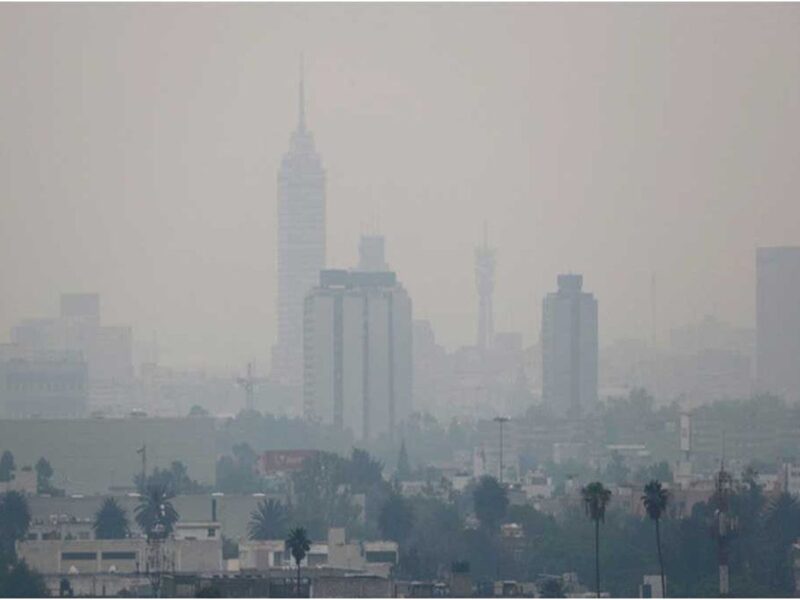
(301, 124)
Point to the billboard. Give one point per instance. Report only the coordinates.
(283, 461)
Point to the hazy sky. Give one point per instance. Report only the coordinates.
(139, 146)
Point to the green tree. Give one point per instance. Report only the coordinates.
(268, 521)
(655, 500)
(617, 471)
(396, 518)
(323, 496)
(111, 521)
(7, 466)
(362, 470)
(175, 480)
(298, 545)
(403, 472)
(155, 514)
(490, 501)
(595, 499)
(780, 529)
(15, 518)
(552, 588)
(43, 474)
(18, 580)
(197, 411)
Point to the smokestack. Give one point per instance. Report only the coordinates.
(213, 510)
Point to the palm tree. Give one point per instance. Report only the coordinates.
(298, 544)
(655, 500)
(268, 521)
(595, 499)
(155, 513)
(110, 521)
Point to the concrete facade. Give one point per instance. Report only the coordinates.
(118, 556)
(55, 517)
(358, 354)
(569, 348)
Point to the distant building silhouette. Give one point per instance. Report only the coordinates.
(372, 253)
(70, 355)
(569, 348)
(778, 321)
(358, 354)
(301, 244)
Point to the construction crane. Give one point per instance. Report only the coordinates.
(249, 383)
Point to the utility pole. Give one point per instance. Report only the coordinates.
(724, 526)
(143, 452)
(500, 421)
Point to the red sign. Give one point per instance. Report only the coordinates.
(278, 461)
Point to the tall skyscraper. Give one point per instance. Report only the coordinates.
(569, 348)
(484, 282)
(778, 321)
(301, 244)
(358, 354)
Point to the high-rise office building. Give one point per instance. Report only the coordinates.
(569, 348)
(301, 244)
(778, 321)
(358, 354)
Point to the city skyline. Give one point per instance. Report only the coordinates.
(691, 167)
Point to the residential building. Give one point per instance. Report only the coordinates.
(569, 348)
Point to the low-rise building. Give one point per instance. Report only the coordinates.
(23, 481)
(337, 552)
(63, 557)
(259, 555)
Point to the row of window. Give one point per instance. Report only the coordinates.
(111, 555)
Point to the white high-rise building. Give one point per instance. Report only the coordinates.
(358, 354)
(301, 245)
(778, 321)
(569, 348)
